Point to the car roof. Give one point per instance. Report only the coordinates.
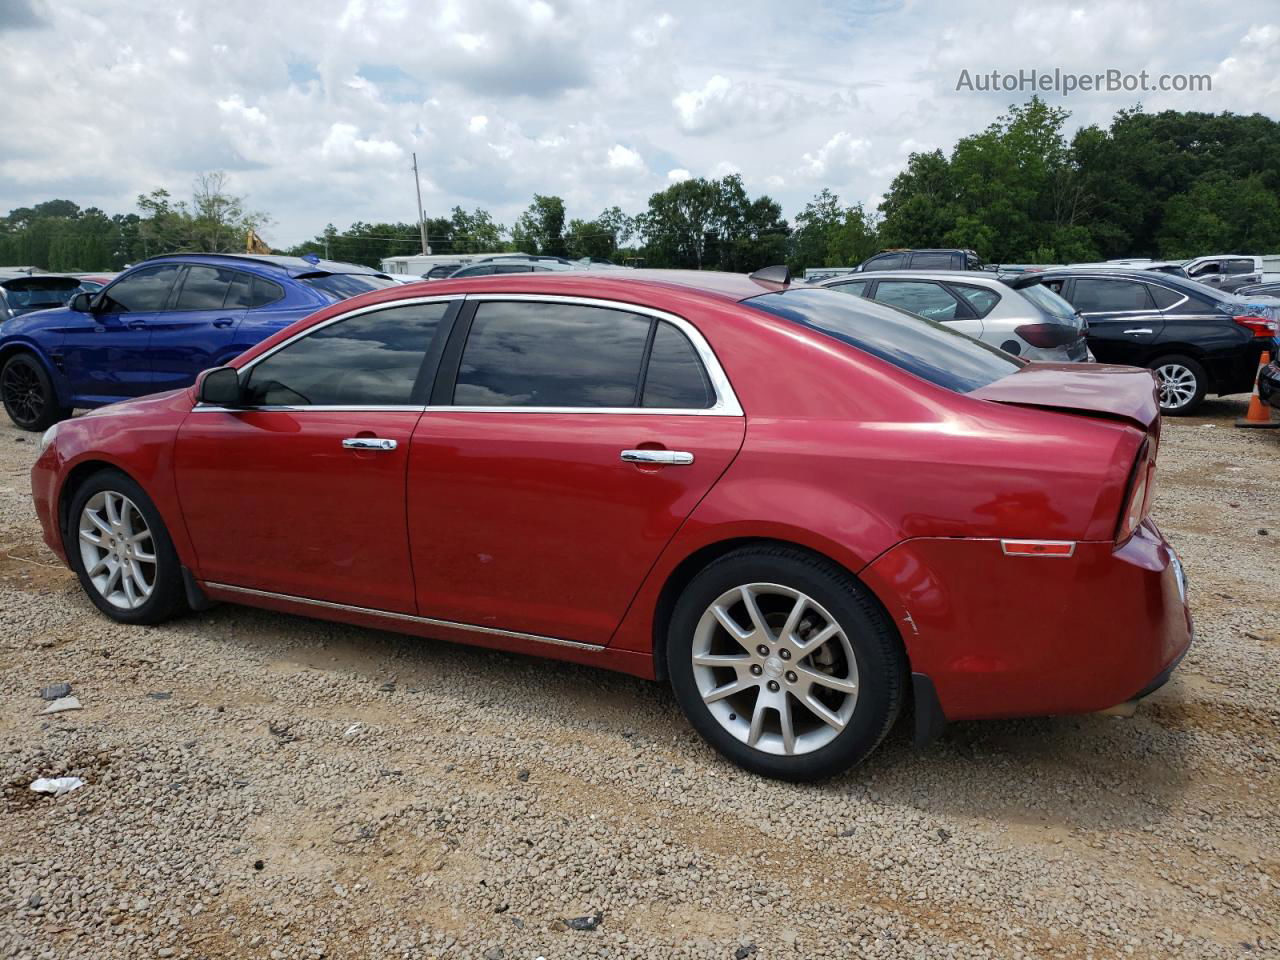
(293, 266)
(1174, 282)
(981, 277)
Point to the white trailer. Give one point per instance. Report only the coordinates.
(419, 264)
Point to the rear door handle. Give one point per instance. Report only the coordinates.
(670, 458)
(368, 443)
(1139, 330)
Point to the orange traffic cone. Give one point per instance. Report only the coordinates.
(1259, 414)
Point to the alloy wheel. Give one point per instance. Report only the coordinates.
(1177, 385)
(22, 391)
(775, 669)
(117, 549)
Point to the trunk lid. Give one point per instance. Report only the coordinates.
(1099, 389)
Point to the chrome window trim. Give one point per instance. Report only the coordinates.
(726, 404)
(406, 617)
(1147, 283)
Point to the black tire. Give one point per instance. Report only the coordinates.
(1171, 402)
(167, 597)
(28, 393)
(877, 650)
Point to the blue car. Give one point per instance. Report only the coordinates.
(158, 325)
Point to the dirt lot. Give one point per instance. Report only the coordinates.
(260, 785)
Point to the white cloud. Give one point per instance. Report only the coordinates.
(678, 174)
(836, 159)
(478, 123)
(623, 158)
(721, 104)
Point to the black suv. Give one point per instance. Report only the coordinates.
(1197, 339)
(943, 259)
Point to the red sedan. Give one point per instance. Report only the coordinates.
(800, 508)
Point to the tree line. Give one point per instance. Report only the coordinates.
(1170, 185)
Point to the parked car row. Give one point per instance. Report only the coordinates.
(707, 478)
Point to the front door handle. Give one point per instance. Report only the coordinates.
(224, 322)
(137, 324)
(1139, 330)
(368, 443)
(669, 458)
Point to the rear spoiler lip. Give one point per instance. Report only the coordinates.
(1092, 389)
(1024, 280)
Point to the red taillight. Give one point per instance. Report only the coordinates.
(1261, 326)
(1138, 503)
(1048, 334)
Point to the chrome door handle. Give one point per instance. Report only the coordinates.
(670, 458)
(368, 443)
(1139, 330)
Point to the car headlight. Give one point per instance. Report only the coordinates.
(46, 438)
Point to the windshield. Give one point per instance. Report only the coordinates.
(340, 286)
(34, 293)
(1050, 303)
(930, 350)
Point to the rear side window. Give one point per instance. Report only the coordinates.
(141, 291)
(265, 292)
(919, 296)
(1164, 297)
(981, 299)
(368, 360)
(857, 287)
(340, 286)
(927, 349)
(1091, 295)
(887, 261)
(1239, 266)
(521, 354)
(931, 261)
(675, 377)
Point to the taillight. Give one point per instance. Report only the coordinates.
(1138, 502)
(1261, 326)
(1048, 334)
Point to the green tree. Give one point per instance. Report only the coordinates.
(1220, 213)
(828, 234)
(540, 229)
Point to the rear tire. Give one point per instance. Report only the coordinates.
(121, 551)
(803, 688)
(1183, 384)
(29, 397)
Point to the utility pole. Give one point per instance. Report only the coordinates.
(422, 220)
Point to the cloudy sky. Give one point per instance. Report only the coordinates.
(314, 108)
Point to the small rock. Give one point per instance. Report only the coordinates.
(847, 832)
(944, 834)
(493, 953)
(55, 691)
(165, 952)
(34, 901)
(161, 695)
(388, 687)
(259, 865)
(744, 951)
(63, 704)
(1262, 532)
(522, 775)
(502, 908)
(585, 923)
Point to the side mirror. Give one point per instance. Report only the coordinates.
(220, 387)
(82, 303)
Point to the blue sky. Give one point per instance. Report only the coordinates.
(313, 109)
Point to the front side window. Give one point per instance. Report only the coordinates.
(857, 287)
(1110, 296)
(919, 296)
(205, 288)
(143, 291)
(368, 360)
(1205, 269)
(521, 354)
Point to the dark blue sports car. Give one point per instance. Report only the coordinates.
(159, 324)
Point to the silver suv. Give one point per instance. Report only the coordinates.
(1031, 322)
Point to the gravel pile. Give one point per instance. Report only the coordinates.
(258, 785)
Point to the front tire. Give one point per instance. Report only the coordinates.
(1183, 383)
(28, 394)
(785, 664)
(121, 551)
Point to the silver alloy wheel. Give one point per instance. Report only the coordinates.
(1177, 385)
(775, 669)
(117, 550)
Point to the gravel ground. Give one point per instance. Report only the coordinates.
(260, 785)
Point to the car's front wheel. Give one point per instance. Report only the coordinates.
(28, 394)
(785, 663)
(1182, 383)
(121, 551)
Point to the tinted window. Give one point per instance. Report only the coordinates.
(918, 296)
(340, 286)
(982, 299)
(1205, 269)
(921, 347)
(675, 377)
(370, 359)
(857, 287)
(551, 355)
(1239, 266)
(265, 291)
(1049, 301)
(240, 293)
(516, 268)
(1164, 297)
(443, 270)
(931, 261)
(1110, 296)
(888, 261)
(205, 288)
(140, 291)
(482, 270)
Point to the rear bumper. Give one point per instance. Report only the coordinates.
(1002, 636)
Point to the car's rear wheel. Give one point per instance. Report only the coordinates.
(121, 551)
(1182, 384)
(28, 394)
(785, 663)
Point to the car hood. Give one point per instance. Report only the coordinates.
(1099, 389)
(37, 320)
